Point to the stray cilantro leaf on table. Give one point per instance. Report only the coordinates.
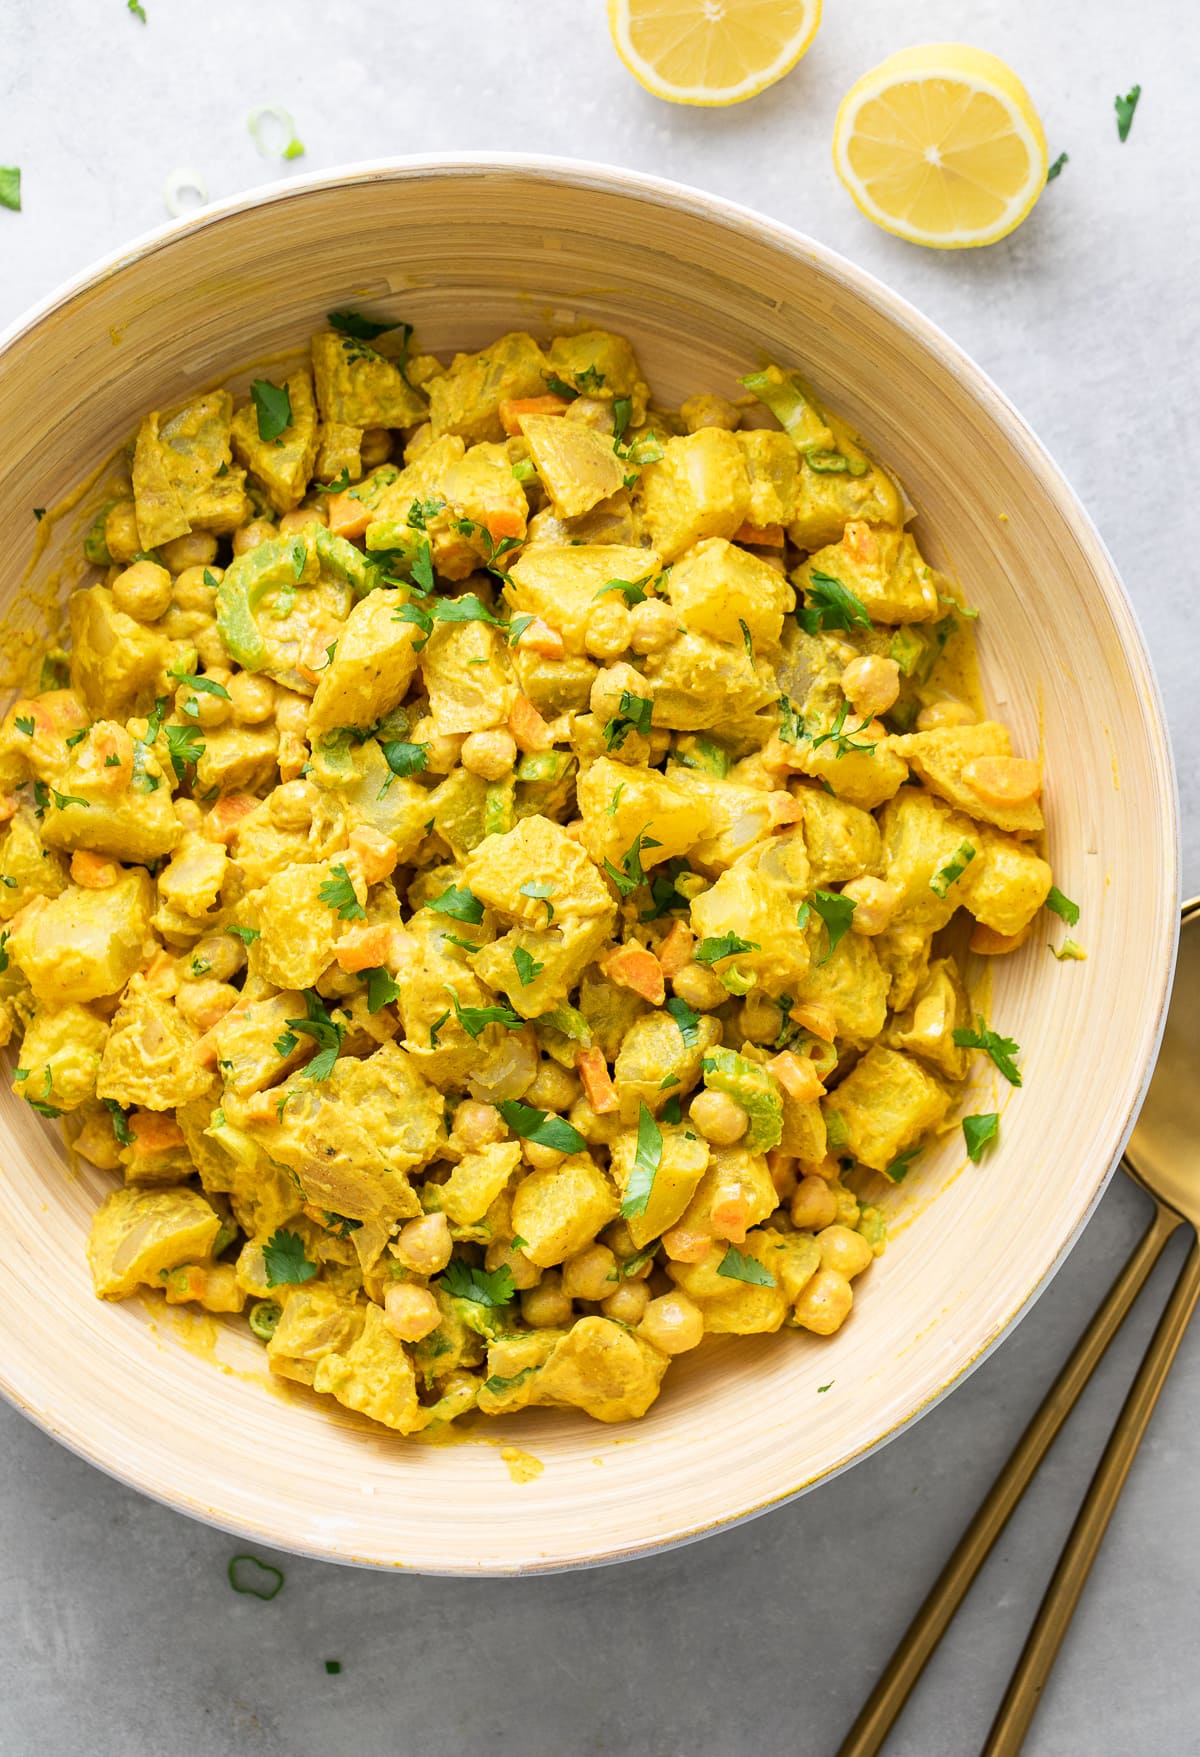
(285, 1259)
(1125, 107)
(10, 187)
(1056, 167)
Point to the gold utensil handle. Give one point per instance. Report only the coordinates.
(1079, 1552)
(886, 1700)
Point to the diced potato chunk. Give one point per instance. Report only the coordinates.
(60, 1056)
(477, 1180)
(297, 929)
(655, 1064)
(317, 1321)
(618, 803)
(85, 944)
(939, 1008)
(772, 464)
(176, 482)
(559, 954)
(374, 1376)
(887, 1102)
(467, 674)
(118, 665)
(683, 1163)
(721, 589)
(600, 365)
(561, 584)
(943, 758)
(558, 1212)
(1006, 885)
(843, 841)
(603, 1369)
(466, 399)
(357, 387)
(537, 852)
(371, 669)
(885, 571)
(150, 1056)
(137, 1234)
(24, 859)
(577, 465)
(700, 489)
(283, 465)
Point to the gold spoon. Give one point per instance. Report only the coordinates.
(1162, 1157)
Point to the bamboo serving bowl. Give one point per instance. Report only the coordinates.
(180, 1405)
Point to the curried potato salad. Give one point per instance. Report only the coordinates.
(476, 871)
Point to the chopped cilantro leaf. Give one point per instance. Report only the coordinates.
(273, 404)
(540, 1126)
(338, 893)
(644, 1170)
(325, 1033)
(900, 1166)
(528, 969)
(726, 945)
(830, 605)
(633, 715)
(353, 323)
(978, 1131)
(460, 904)
(1057, 166)
(474, 1020)
(687, 1020)
(953, 870)
(1062, 906)
(739, 1266)
(10, 187)
(286, 1263)
(120, 1124)
(494, 1287)
(25, 723)
(381, 988)
(247, 935)
(1001, 1049)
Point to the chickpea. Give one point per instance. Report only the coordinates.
(706, 410)
(782, 1167)
(192, 591)
(210, 648)
(292, 805)
(947, 712)
(303, 518)
(251, 535)
(719, 1118)
(699, 987)
(188, 814)
(609, 628)
(875, 902)
(845, 1251)
(424, 1245)
(546, 1306)
(553, 1088)
(655, 625)
(219, 955)
(142, 591)
(824, 1304)
(814, 1205)
(410, 1312)
(672, 1323)
(597, 1130)
(590, 412)
(476, 1125)
(871, 684)
(205, 1002)
(252, 697)
(444, 747)
(490, 755)
(760, 1018)
(291, 713)
(542, 1158)
(506, 1256)
(201, 707)
(627, 1303)
(609, 686)
(195, 549)
(376, 447)
(121, 537)
(590, 1274)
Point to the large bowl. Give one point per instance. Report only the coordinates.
(466, 249)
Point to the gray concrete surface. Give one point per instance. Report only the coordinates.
(118, 1632)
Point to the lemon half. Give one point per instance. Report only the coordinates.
(941, 145)
(711, 51)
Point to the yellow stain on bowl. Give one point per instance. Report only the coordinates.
(521, 1466)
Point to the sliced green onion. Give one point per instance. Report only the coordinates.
(257, 122)
(179, 184)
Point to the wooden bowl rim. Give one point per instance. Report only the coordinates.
(738, 218)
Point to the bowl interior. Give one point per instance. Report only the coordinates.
(184, 1409)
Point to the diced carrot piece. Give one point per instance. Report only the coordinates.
(504, 521)
(684, 1246)
(797, 1075)
(153, 1132)
(817, 1019)
(188, 1282)
(635, 968)
(783, 809)
(38, 712)
(222, 821)
(261, 1106)
(598, 1088)
(731, 1213)
(111, 755)
(992, 944)
(527, 726)
(65, 709)
(676, 949)
(540, 638)
(376, 852)
(512, 408)
(761, 536)
(347, 515)
(93, 871)
(364, 948)
(293, 756)
(860, 541)
(1003, 780)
